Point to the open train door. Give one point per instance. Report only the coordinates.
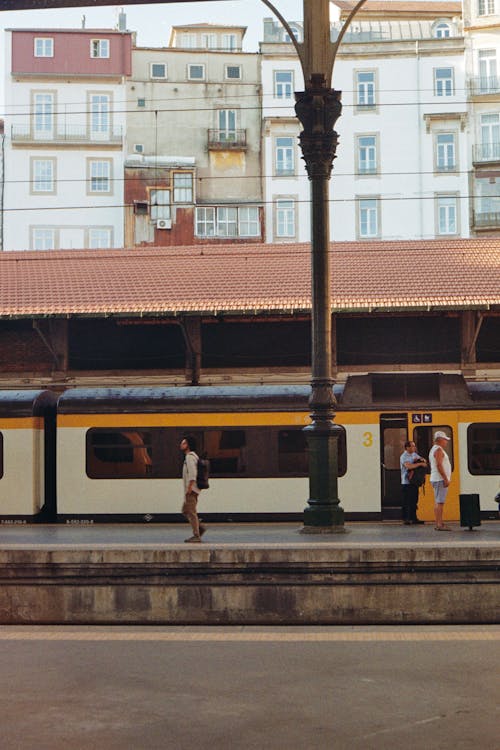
(393, 435)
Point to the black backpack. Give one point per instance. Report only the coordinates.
(417, 475)
(203, 472)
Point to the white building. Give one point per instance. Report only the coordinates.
(64, 128)
(402, 163)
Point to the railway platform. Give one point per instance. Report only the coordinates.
(265, 573)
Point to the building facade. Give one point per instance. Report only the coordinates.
(65, 135)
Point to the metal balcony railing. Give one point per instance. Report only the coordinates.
(487, 219)
(486, 152)
(484, 85)
(228, 138)
(65, 134)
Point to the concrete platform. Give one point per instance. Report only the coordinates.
(249, 574)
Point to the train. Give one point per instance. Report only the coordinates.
(90, 455)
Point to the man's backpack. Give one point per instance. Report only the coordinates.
(416, 476)
(203, 472)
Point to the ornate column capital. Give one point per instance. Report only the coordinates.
(318, 108)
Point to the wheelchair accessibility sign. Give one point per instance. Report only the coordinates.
(421, 418)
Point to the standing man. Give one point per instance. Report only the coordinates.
(440, 476)
(191, 489)
(409, 492)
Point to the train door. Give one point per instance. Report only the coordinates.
(393, 434)
(423, 435)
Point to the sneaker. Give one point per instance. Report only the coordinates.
(202, 529)
(417, 521)
(193, 539)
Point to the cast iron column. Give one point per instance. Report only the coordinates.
(318, 108)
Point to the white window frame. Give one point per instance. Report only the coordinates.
(248, 221)
(43, 46)
(488, 70)
(43, 176)
(283, 89)
(44, 105)
(447, 215)
(99, 238)
(367, 154)
(232, 78)
(365, 91)
(205, 221)
(485, 7)
(444, 85)
(227, 221)
(227, 122)
(285, 222)
(100, 112)
(99, 176)
(442, 30)
(284, 156)
(229, 42)
(156, 76)
(188, 41)
(445, 152)
(368, 218)
(190, 67)
(99, 49)
(44, 238)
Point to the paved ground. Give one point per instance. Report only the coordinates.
(241, 535)
(409, 688)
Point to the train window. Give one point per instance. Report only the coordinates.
(1, 455)
(424, 439)
(293, 458)
(123, 453)
(483, 448)
(227, 451)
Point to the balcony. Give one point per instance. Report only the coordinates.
(486, 219)
(484, 153)
(227, 140)
(66, 135)
(484, 85)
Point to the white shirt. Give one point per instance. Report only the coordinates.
(189, 471)
(435, 475)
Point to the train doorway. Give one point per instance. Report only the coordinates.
(393, 434)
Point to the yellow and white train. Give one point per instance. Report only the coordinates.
(113, 454)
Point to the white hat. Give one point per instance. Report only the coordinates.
(441, 434)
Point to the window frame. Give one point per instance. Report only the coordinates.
(368, 106)
(450, 197)
(280, 156)
(181, 193)
(439, 82)
(196, 79)
(99, 246)
(43, 52)
(94, 179)
(33, 178)
(481, 472)
(287, 211)
(162, 210)
(287, 85)
(52, 231)
(156, 77)
(445, 168)
(227, 77)
(359, 218)
(368, 172)
(102, 47)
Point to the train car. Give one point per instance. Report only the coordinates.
(27, 461)
(119, 459)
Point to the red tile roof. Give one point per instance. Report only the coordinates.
(448, 274)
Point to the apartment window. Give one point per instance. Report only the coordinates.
(99, 238)
(183, 187)
(297, 33)
(229, 42)
(485, 7)
(248, 221)
(99, 176)
(188, 41)
(365, 89)
(158, 70)
(445, 152)
(43, 175)
(225, 221)
(490, 137)
(205, 222)
(447, 214)
(43, 119)
(159, 200)
(44, 47)
(226, 124)
(443, 81)
(43, 239)
(442, 31)
(283, 84)
(285, 218)
(209, 41)
(196, 72)
(100, 115)
(99, 48)
(141, 102)
(368, 220)
(233, 72)
(284, 155)
(488, 78)
(367, 154)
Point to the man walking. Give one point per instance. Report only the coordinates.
(407, 461)
(440, 476)
(191, 489)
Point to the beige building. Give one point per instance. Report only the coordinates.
(193, 139)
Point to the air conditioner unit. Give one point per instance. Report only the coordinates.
(164, 224)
